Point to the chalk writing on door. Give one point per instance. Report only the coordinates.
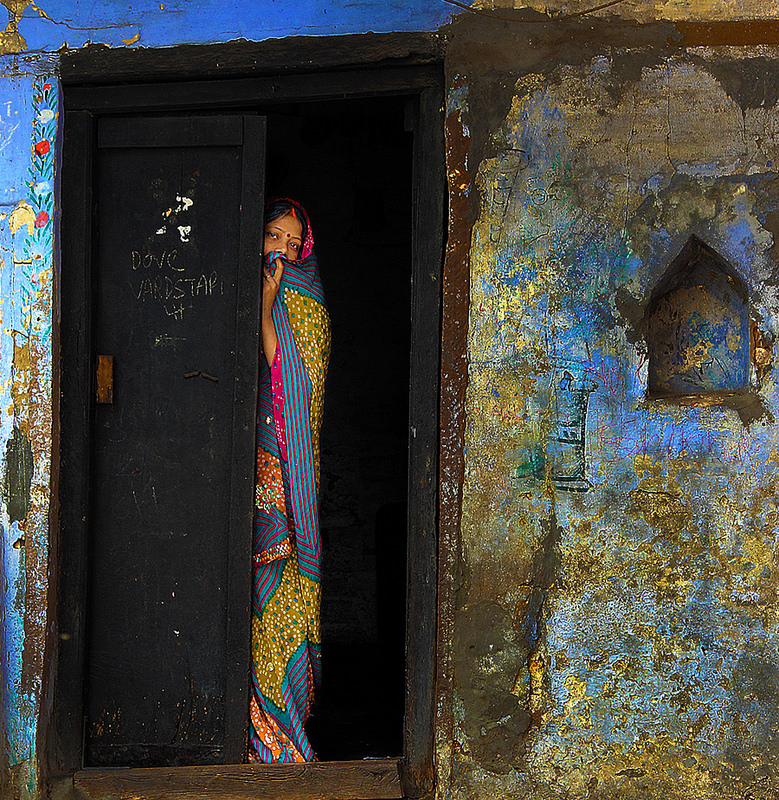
(150, 260)
(158, 279)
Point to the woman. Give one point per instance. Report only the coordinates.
(286, 645)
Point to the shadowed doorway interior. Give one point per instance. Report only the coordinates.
(349, 164)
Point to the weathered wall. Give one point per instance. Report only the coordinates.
(28, 136)
(641, 10)
(615, 633)
(151, 23)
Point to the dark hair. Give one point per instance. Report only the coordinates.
(280, 208)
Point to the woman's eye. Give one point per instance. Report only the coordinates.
(294, 246)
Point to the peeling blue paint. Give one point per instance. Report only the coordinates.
(28, 140)
(161, 23)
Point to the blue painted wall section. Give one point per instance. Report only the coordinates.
(156, 23)
(28, 141)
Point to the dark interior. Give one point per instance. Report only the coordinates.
(349, 164)
(377, 480)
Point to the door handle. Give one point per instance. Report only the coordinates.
(202, 375)
(105, 379)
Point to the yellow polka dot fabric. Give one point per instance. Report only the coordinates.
(286, 638)
(310, 325)
(277, 634)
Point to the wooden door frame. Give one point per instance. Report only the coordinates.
(237, 76)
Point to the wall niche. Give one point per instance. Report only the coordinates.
(698, 328)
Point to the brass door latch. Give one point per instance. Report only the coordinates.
(105, 379)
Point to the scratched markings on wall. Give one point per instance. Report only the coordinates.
(28, 128)
(619, 548)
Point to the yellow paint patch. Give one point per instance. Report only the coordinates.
(11, 41)
(20, 381)
(759, 554)
(133, 39)
(16, 7)
(22, 215)
(519, 689)
(538, 700)
(577, 691)
(645, 464)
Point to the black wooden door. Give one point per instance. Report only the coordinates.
(175, 332)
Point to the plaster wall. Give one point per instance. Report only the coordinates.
(57, 24)
(641, 10)
(616, 625)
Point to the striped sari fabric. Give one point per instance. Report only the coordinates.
(286, 643)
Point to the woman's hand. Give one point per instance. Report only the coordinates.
(271, 280)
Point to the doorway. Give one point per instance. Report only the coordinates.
(349, 163)
(356, 166)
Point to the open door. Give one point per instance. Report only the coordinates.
(175, 323)
(370, 269)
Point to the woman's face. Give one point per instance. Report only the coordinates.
(284, 235)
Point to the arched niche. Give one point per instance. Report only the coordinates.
(698, 327)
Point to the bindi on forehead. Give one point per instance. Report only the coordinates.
(288, 225)
(278, 229)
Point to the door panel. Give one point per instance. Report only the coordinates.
(177, 308)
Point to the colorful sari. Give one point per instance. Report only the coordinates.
(286, 643)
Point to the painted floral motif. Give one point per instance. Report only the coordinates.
(36, 259)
